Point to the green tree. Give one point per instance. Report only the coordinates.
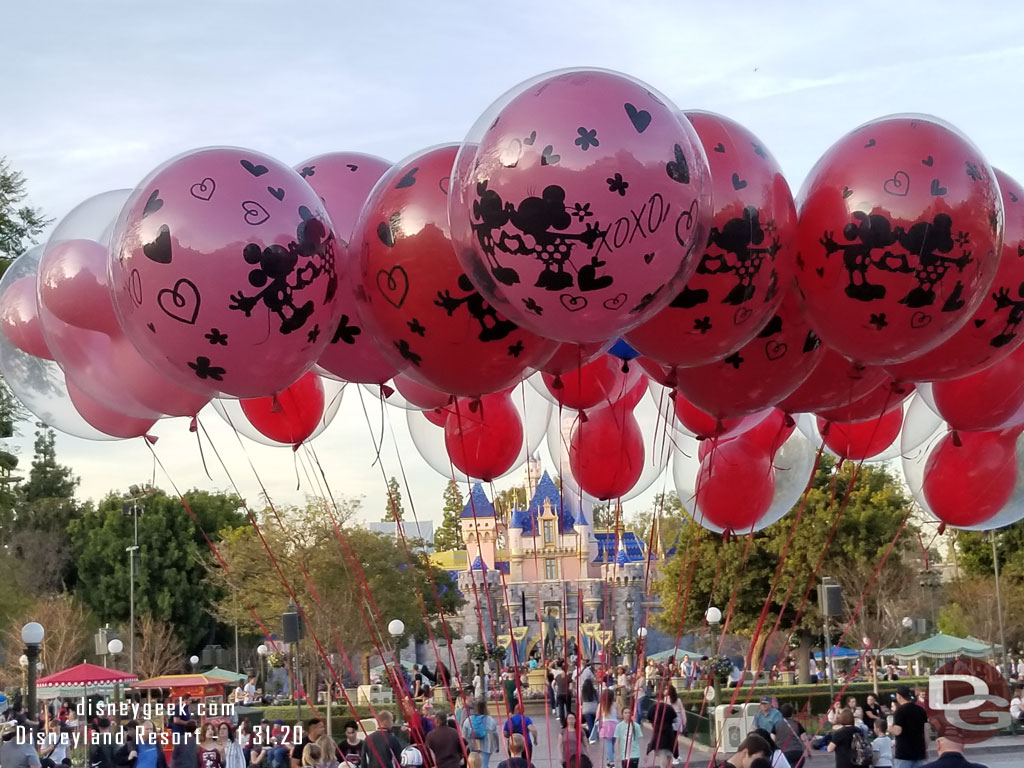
(449, 534)
(393, 510)
(19, 223)
(509, 499)
(171, 583)
(724, 571)
(974, 551)
(361, 582)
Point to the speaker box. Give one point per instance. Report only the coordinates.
(291, 627)
(830, 599)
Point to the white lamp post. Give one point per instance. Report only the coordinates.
(262, 651)
(713, 616)
(115, 647)
(32, 636)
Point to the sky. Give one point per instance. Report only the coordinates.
(96, 95)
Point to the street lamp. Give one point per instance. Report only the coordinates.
(194, 661)
(396, 627)
(641, 635)
(32, 636)
(713, 616)
(115, 647)
(262, 651)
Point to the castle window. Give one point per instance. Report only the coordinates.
(549, 532)
(550, 569)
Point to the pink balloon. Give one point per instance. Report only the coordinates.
(223, 272)
(420, 395)
(73, 285)
(344, 180)
(579, 207)
(148, 386)
(107, 420)
(19, 318)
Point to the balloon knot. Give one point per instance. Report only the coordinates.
(474, 405)
(857, 371)
(942, 528)
(151, 439)
(625, 366)
(825, 428)
(727, 535)
(788, 421)
(839, 463)
(956, 439)
(671, 380)
(583, 417)
(296, 446)
(386, 391)
(673, 394)
(556, 383)
(275, 404)
(899, 388)
(194, 424)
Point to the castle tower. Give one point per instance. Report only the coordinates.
(479, 529)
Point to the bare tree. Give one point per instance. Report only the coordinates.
(66, 622)
(157, 650)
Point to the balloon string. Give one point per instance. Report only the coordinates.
(220, 559)
(273, 558)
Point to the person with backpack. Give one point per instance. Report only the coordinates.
(790, 737)
(520, 724)
(480, 732)
(850, 744)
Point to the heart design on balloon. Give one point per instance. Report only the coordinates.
(898, 185)
(393, 285)
(615, 302)
(640, 118)
(677, 169)
(180, 302)
(573, 303)
(153, 204)
(255, 213)
(920, 319)
(203, 190)
(773, 350)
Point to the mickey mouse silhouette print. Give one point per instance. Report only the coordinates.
(537, 227)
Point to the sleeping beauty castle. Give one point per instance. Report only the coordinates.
(544, 575)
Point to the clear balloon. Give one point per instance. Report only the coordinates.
(428, 434)
(73, 285)
(38, 383)
(579, 203)
(19, 316)
(230, 410)
(223, 272)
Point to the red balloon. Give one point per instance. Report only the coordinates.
(705, 426)
(969, 483)
(992, 333)
(417, 301)
(748, 261)
(420, 395)
(898, 244)
(736, 485)
(631, 399)
(886, 397)
(568, 357)
(990, 399)
(437, 416)
(294, 416)
(859, 440)
(106, 420)
(760, 374)
(769, 435)
(19, 318)
(484, 437)
(835, 382)
(601, 382)
(606, 452)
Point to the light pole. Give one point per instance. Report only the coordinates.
(713, 616)
(132, 508)
(641, 636)
(396, 628)
(194, 662)
(999, 605)
(629, 603)
(115, 647)
(262, 651)
(32, 636)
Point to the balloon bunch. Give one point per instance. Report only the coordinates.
(585, 231)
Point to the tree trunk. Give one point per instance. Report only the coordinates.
(366, 668)
(758, 651)
(803, 657)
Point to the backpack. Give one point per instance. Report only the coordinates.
(860, 749)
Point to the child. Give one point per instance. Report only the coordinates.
(882, 745)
